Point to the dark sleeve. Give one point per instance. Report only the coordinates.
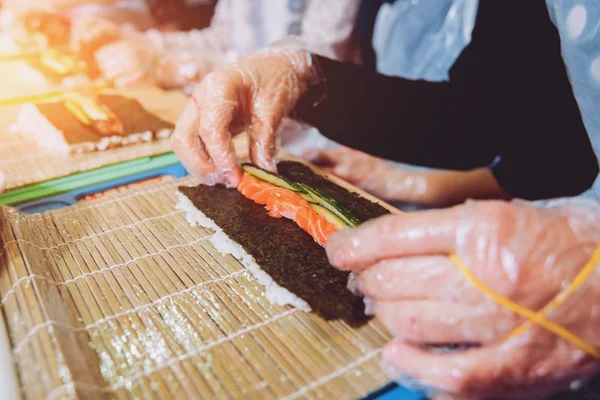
(508, 99)
(415, 122)
(544, 148)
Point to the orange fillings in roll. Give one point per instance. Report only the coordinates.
(94, 114)
(281, 202)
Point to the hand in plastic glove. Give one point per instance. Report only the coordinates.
(54, 28)
(254, 95)
(1, 182)
(395, 184)
(90, 33)
(525, 253)
(371, 174)
(126, 61)
(181, 69)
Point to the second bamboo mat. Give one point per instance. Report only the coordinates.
(121, 298)
(24, 163)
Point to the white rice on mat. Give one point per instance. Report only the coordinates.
(224, 245)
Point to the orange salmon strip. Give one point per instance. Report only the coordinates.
(282, 202)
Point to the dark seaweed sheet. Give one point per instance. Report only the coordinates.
(130, 112)
(133, 115)
(358, 206)
(285, 251)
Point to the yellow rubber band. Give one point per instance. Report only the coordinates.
(567, 292)
(539, 317)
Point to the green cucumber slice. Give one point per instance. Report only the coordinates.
(330, 204)
(331, 217)
(270, 177)
(308, 197)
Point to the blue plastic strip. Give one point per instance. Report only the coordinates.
(72, 197)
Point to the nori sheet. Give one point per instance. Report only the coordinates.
(134, 117)
(285, 251)
(358, 206)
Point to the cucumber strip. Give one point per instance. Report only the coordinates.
(330, 216)
(308, 197)
(332, 205)
(270, 177)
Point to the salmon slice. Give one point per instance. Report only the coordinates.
(284, 203)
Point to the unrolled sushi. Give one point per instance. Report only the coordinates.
(285, 255)
(80, 124)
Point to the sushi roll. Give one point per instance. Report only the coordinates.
(79, 124)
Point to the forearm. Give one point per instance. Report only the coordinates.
(415, 122)
(438, 188)
(455, 187)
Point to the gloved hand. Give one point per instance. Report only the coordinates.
(524, 252)
(181, 69)
(23, 25)
(89, 33)
(2, 184)
(127, 61)
(396, 184)
(254, 95)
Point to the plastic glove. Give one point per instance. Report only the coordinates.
(127, 61)
(372, 174)
(395, 184)
(55, 28)
(90, 33)
(254, 95)
(523, 252)
(181, 69)
(1, 182)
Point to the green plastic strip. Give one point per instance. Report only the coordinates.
(88, 178)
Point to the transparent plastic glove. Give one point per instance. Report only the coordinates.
(181, 69)
(89, 33)
(523, 252)
(126, 61)
(252, 95)
(2, 184)
(396, 184)
(55, 28)
(372, 174)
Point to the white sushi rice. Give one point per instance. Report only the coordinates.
(33, 123)
(225, 245)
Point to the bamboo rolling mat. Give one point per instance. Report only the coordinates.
(24, 163)
(121, 298)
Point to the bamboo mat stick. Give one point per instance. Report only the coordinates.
(105, 301)
(136, 297)
(25, 316)
(131, 307)
(8, 374)
(74, 348)
(100, 341)
(154, 287)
